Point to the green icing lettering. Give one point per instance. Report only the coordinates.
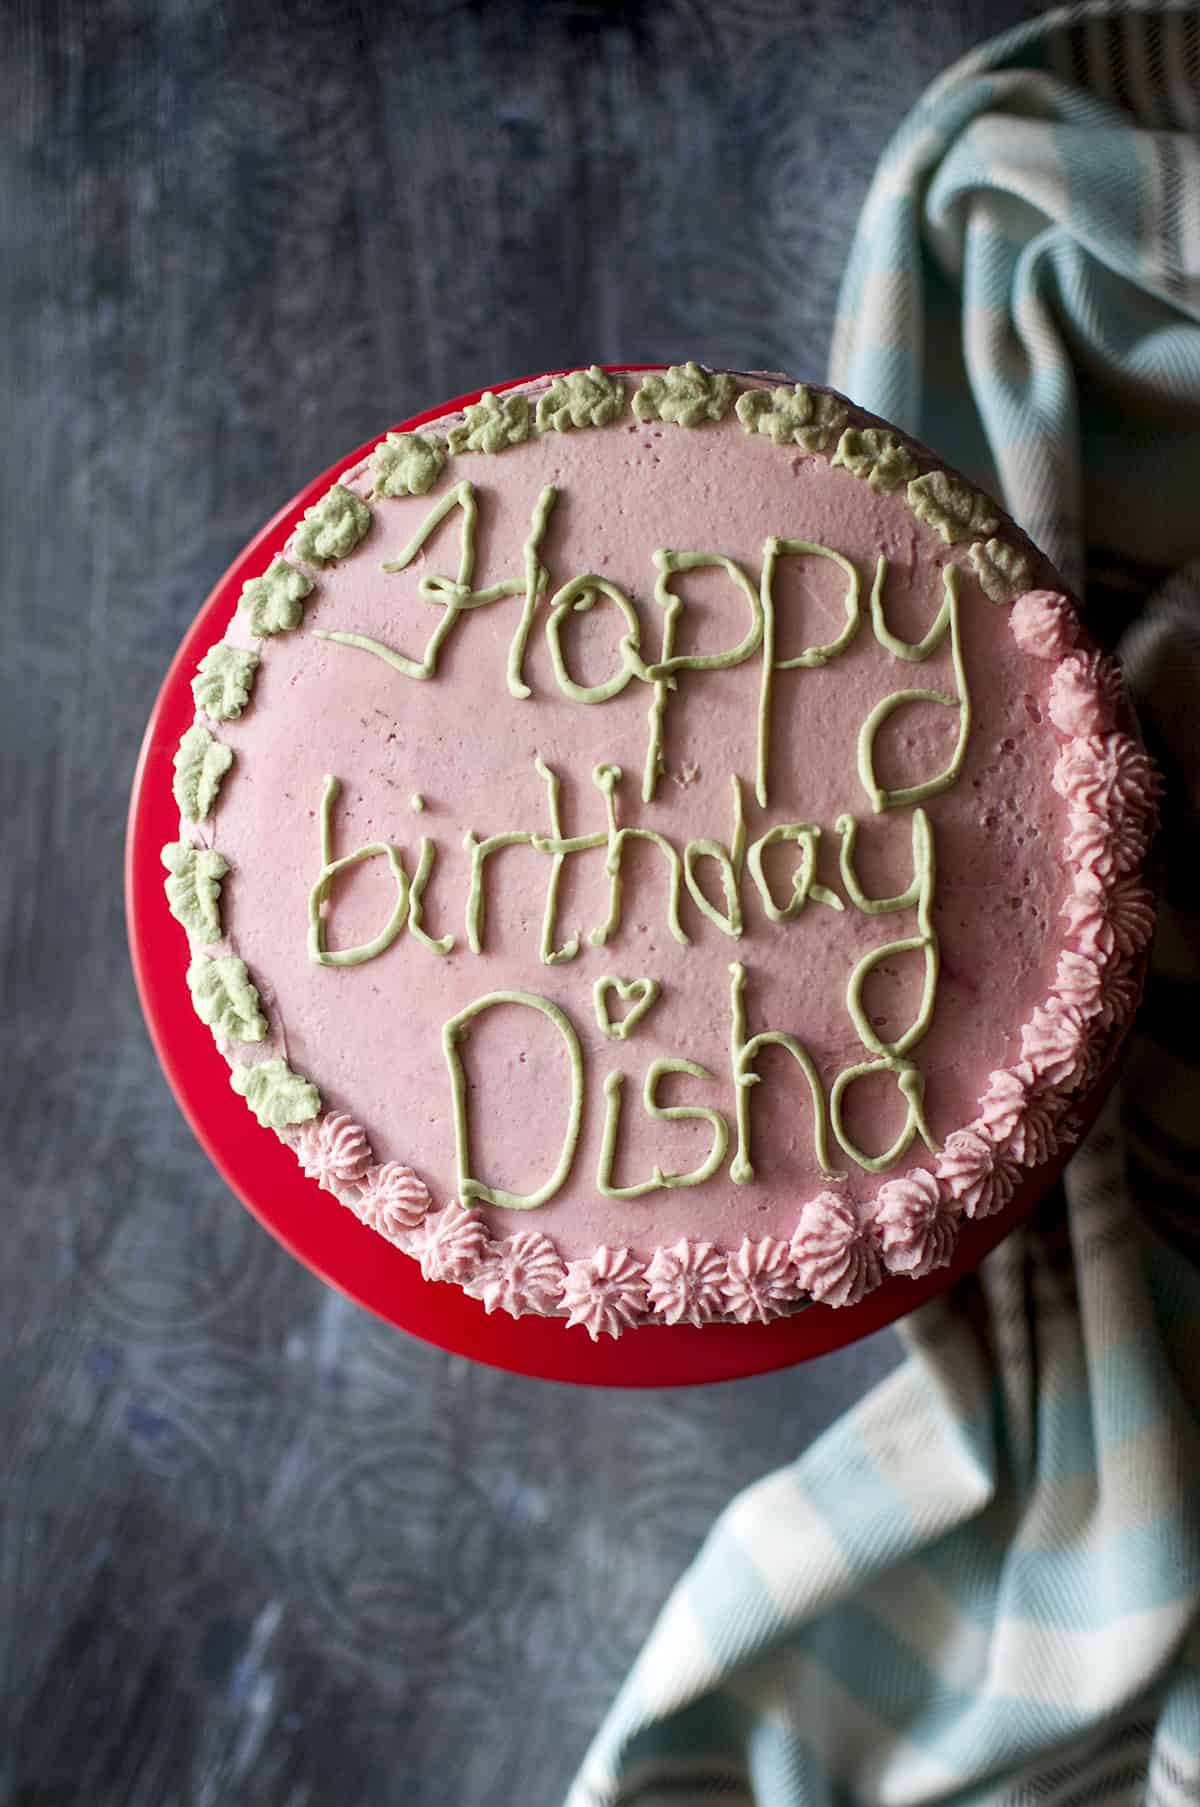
(640, 994)
(332, 527)
(804, 835)
(743, 1055)
(577, 597)
(453, 1033)
(919, 892)
(455, 596)
(416, 802)
(685, 395)
(406, 464)
(662, 674)
(225, 997)
(879, 457)
(223, 681)
(440, 944)
(729, 866)
(200, 764)
(813, 656)
(275, 1094)
(661, 1113)
(917, 793)
(318, 953)
(925, 942)
(480, 852)
(1002, 571)
(550, 954)
(911, 1087)
(274, 602)
(492, 424)
(950, 505)
(536, 579)
(193, 887)
(581, 398)
(914, 651)
(799, 416)
(606, 778)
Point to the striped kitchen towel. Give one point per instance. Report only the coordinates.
(983, 1585)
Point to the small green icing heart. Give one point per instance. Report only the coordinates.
(200, 764)
(223, 681)
(275, 1094)
(953, 507)
(491, 424)
(878, 456)
(582, 398)
(640, 993)
(332, 527)
(274, 602)
(193, 887)
(685, 395)
(799, 416)
(406, 464)
(224, 996)
(1002, 571)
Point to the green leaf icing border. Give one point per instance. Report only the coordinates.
(581, 398)
(224, 997)
(492, 424)
(685, 395)
(277, 1096)
(274, 602)
(406, 464)
(1003, 572)
(223, 681)
(951, 506)
(877, 456)
(193, 887)
(201, 763)
(799, 416)
(332, 527)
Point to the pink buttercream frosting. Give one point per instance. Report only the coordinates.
(1054, 1043)
(605, 1293)
(685, 1284)
(834, 1257)
(1107, 845)
(1085, 692)
(454, 1244)
(1018, 877)
(978, 1178)
(1044, 624)
(1105, 773)
(333, 1149)
(915, 1225)
(393, 1200)
(1079, 981)
(523, 1273)
(760, 1281)
(1109, 918)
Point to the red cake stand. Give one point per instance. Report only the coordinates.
(326, 1237)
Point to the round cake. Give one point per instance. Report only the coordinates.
(661, 849)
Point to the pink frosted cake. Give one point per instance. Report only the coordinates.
(660, 849)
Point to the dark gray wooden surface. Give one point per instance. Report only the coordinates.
(255, 1547)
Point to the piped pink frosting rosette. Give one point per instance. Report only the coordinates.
(760, 1281)
(523, 1273)
(977, 1177)
(834, 1257)
(916, 1225)
(454, 1244)
(333, 1150)
(685, 1283)
(606, 1293)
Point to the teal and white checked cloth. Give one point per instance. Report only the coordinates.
(983, 1585)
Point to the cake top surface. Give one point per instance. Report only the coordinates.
(631, 813)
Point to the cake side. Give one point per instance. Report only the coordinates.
(900, 904)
